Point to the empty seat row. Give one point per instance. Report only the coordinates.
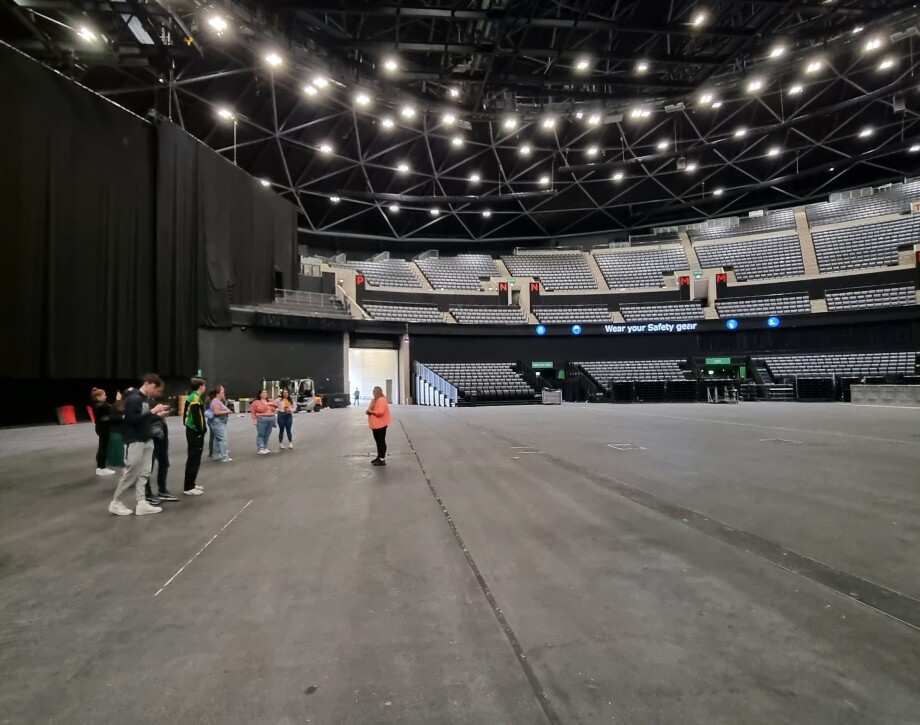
(758, 259)
(864, 247)
(644, 268)
(794, 304)
(898, 295)
(844, 365)
(462, 272)
(482, 315)
(572, 314)
(606, 371)
(568, 271)
(404, 313)
(881, 203)
(489, 382)
(778, 220)
(662, 311)
(385, 273)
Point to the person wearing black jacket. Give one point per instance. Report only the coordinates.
(101, 412)
(138, 436)
(195, 428)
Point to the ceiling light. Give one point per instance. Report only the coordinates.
(217, 23)
(320, 82)
(886, 64)
(740, 132)
(225, 113)
(717, 104)
(641, 66)
(448, 119)
(662, 145)
(474, 178)
(915, 148)
(699, 18)
(866, 132)
(719, 191)
(814, 66)
(594, 119)
(510, 123)
(582, 64)
(544, 181)
(310, 90)
(857, 30)
(525, 150)
(774, 151)
(549, 122)
(486, 213)
(579, 115)
(639, 112)
(403, 167)
(387, 122)
(691, 166)
(362, 99)
(456, 141)
(434, 211)
(873, 44)
(390, 64)
(394, 207)
(453, 92)
(407, 112)
(273, 59)
(591, 151)
(756, 84)
(325, 148)
(618, 176)
(795, 89)
(777, 51)
(707, 98)
(87, 34)
(334, 199)
(265, 182)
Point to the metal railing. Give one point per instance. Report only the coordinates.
(306, 299)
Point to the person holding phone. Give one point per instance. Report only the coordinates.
(220, 416)
(263, 413)
(286, 408)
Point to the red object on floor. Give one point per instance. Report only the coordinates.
(66, 415)
(92, 416)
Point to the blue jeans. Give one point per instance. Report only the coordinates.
(285, 421)
(264, 425)
(219, 431)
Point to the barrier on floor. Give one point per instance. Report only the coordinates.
(66, 415)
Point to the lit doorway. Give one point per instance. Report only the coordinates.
(369, 367)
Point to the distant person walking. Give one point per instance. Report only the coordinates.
(136, 429)
(378, 418)
(102, 411)
(220, 416)
(286, 408)
(263, 413)
(195, 428)
(357, 396)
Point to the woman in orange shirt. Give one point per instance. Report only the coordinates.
(378, 418)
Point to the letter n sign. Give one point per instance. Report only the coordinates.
(534, 293)
(503, 293)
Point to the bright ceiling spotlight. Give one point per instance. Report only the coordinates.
(717, 104)
(777, 50)
(548, 123)
(639, 112)
(474, 178)
(387, 122)
(796, 89)
(486, 213)
(814, 65)
(226, 113)
(310, 90)
(642, 66)
(217, 23)
(579, 115)
(707, 98)
(886, 63)
(88, 35)
(362, 99)
(774, 151)
(594, 119)
(915, 148)
(618, 176)
(755, 85)
(544, 181)
(873, 44)
(591, 151)
(325, 148)
(582, 64)
(394, 207)
(334, 199)
(265, 182)
(403, 167)
(510, 123)
(320, 82)
(453, 92)
(718, 192)
(857, 30)
(407, 112)
(273, 59)
(866, 132)
(390, 65)
(434, 211)
(525, 150)
(740, 132)
(456, 141)
(699, 18)
(662, 145)
(448, 119)
(691, 166)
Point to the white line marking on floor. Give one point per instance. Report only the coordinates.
(625, 447)
(184, 566)
(779, 440)
(874, 405)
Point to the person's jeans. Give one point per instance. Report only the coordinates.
(195, 442)
(285, 421)
(161, 456)
(264, 425)
(380, 438)
(138, 462)
(221, 444)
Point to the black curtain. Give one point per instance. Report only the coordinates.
(76, 229)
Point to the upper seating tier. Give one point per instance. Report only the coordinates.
(864, 247)
(404, 313)
(794, 304)
(572, 314)
(385, 273)
(758, 259)
(462, 272)
(772, 221)
(644, 268)
(563, 271)
(482, 315)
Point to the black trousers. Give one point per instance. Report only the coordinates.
(161, 458)
(193, 462)
(380, 438)
(102, 452)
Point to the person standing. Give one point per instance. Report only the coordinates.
(263, 418)
(378, 418)
(101, 412)
(136, 429)
(357, 395)
(160, 432)
(286, 410)
(195, 428)
(220, 416)
(116, 452)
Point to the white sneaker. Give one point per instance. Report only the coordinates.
(193, 492)
(143, 507)
(105, 472)
(291, 445)
(199, 487)
(119, 509)
(281, 446)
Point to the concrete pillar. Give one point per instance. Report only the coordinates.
(405, 370)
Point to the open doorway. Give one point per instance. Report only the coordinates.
(367, 368)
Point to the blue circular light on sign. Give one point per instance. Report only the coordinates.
(773, 322)
(731, 324)
(541, 329)
(576, 329)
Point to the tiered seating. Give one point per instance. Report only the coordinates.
(892, 201)
(863, 247)
(490, 382)
(570, 315)
(664, 311)
(404, 313)
(778, 220)
(462, 272)
(795, 304)
(385, 273)
(482, 315)
(640, 268)
(855, 365)
(895, 295)
(760, 259)
(605, 372)
(563, 271)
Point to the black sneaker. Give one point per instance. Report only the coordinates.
(378, 462)
(167, 496)
(153, 500)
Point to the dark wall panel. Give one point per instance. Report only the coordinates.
(240, 358)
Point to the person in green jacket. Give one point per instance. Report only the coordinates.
(195, 428)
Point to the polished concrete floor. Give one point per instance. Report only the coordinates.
(632, 564)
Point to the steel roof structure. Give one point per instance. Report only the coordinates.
(489, 120)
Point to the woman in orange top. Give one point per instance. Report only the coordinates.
(378, 418)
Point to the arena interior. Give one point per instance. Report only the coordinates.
(638, 281)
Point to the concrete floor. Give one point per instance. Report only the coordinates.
(589, 563)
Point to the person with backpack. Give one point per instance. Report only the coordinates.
(195, 427)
